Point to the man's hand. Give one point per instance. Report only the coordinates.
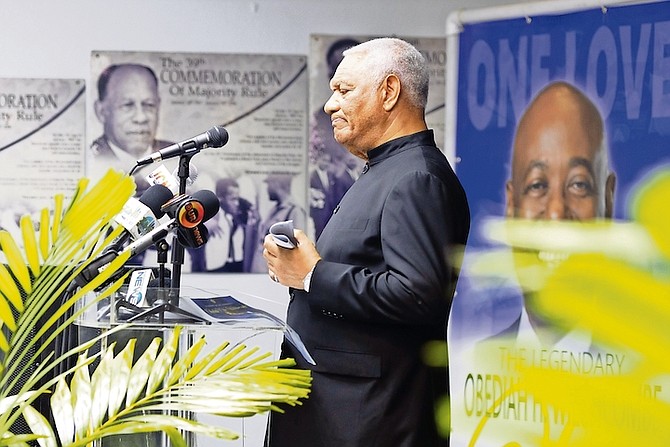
(289, 267)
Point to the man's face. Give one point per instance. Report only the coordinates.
(354, 107)
(230, 201)
(557, 170)
(273, 187)
(129, 113)
(323, 162)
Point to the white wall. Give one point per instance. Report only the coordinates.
(53, 38)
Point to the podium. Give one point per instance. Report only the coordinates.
(223, 316)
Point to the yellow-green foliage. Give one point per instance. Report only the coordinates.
(114, 399)
(612, 279)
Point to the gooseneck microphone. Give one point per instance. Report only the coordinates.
(217, 136)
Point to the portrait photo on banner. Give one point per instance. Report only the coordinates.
(142, 102)
(559, 117)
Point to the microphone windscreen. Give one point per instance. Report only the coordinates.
(154, 197)
(218, 136)
(210, 203)
(194, 237)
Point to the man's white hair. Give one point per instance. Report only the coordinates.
(389, 55)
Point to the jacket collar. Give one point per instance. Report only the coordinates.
(401, 144)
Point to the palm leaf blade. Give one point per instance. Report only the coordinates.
(15, 260)
(101, 384)
(165, 420)
(81, 394)
(30, 244)
(198, 367)
(58, 213)
(44, 241)
(139, 374)
(40, 426)
(133, 426)
(163, 361)
(61, 407)
(226, 362)
(4, 346)
(7, 316)
(121, 367)
(10, 289)
(181, 366)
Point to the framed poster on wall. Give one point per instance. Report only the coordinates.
(141, 102)
(42, 129)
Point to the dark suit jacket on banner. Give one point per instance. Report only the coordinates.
(104, 158)
(322, 211)
(400, 219)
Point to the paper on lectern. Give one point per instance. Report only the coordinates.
(225, 309)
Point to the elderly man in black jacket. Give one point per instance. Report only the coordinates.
(379, 282)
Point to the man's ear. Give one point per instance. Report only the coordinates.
(99, 111)
(610, 184)
(390, 91)
(509, 199)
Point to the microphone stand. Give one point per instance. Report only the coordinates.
(171, 304)
(177, 248)
(162, 248)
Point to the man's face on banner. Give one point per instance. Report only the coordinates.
(559, 166)
(130, 111)
(230, 202)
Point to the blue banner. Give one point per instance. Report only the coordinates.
(620, 58)
(558, 117)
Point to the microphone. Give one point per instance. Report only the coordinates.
(187, 216)
(140, 215)
(191, 213)
(217, 136)
(194, 237)
(187, 213)
(96, 266)
(147, 240)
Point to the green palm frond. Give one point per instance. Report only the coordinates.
(40, 300)
(33, 282)
(160, 392)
